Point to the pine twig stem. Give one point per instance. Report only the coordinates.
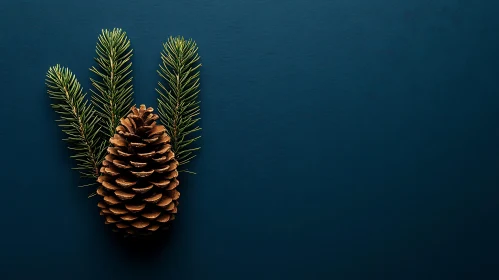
(78, 120)
(178, 90)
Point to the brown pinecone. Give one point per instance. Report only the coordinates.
(139, 176)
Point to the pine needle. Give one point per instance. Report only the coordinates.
(178, 104)
(77, 119)
(113, 90)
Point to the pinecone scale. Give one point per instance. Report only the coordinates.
(139, 176)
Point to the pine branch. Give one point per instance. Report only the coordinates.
(178, 104)
(77, 118)
(113, 93)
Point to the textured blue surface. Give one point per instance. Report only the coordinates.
(345, 139)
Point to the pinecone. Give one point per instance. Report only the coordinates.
(139, 176)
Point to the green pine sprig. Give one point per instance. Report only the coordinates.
(113, 89)
(89, 124)
(178, 104)
(77, 119)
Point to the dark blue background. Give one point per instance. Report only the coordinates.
(345, 139)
